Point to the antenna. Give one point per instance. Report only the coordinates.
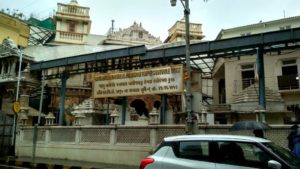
(283, 13)
(112, 25)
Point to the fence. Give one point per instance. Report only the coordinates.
(116, 144)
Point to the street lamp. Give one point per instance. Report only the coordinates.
(189, 123)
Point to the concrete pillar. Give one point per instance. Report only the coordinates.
(113, 136)
(153, 137)
(77, 136)
(47, 136)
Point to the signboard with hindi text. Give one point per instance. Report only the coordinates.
(158, 80)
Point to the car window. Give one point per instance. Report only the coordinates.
(194, 150)
(243, 154)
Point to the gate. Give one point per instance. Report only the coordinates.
(6, 128)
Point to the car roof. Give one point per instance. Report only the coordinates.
(219, 137)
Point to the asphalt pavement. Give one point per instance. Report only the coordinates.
(10, 167)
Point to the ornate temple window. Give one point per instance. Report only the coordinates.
(72, 26)
(140, 34)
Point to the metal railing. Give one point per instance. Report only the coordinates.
(75, 10)
(288, 82)
(275, 83)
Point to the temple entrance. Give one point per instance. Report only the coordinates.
(140, 107)
(6, 127)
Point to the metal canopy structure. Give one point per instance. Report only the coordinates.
(39, 35)
(203, 54)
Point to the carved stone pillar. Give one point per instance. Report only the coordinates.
(115, 117)
(50, 119)
(24, 102)
(154, 116)
(79, 119)
(23, 118)
(2, 68)
(13, 68)
(9, 68)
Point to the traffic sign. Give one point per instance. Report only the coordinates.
(16, 107)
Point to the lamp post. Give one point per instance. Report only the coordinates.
(189, 123)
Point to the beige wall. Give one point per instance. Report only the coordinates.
(17, 30)
(125, 145)
(294, 22)
(272, 65)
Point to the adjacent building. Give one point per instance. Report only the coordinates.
(235, 80)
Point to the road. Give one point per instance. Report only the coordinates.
(104, 166)
(10, 167)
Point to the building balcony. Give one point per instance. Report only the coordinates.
(72, 10)
(70, 37)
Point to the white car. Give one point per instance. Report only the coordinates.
(219, 152)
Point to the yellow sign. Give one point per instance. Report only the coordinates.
(16, 107)
(157, 80)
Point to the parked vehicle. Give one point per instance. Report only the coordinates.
(219, 152)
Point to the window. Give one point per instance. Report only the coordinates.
(246, 34)
(194, 150)
(242, 154)
(72, 27)
(140, 34)
(289, 78)
(285, 27)
(247, 75)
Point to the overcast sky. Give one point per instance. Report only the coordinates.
(157, 16)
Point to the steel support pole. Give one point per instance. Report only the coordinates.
(163, 99)
(14, 129)
(35, 129)
(62, 99)
(124, 106)
(261, 75)
(189, 123)
(42, 97)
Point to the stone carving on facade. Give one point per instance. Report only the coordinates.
(115, 115)
(133, 115)
(154, 116)
(85, 112)
(50, 119)
(23, 118)
(133, 35)
(247, 99)
(9, 43)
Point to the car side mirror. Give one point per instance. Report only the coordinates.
(272, 164)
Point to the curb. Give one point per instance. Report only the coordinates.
(12, 161)
(46, 163)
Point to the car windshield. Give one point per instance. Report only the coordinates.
(285, 154)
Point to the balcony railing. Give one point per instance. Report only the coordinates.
(74, 10)
(288, 82)
(275, 83)
(71, 36)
